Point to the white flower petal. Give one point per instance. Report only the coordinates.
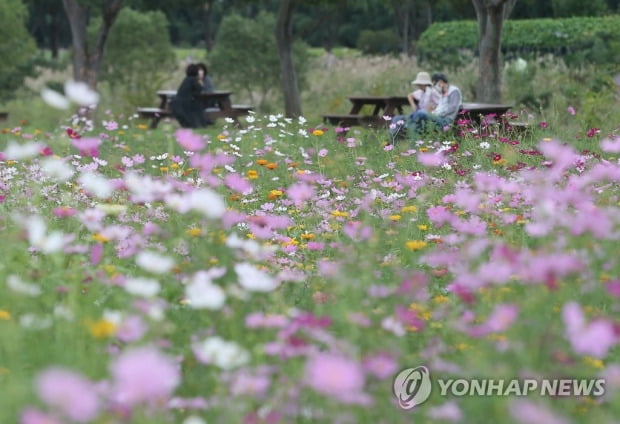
(55, 99)
(80, 93)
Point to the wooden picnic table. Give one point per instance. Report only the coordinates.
(393, 105)
(381, 106)
(217, 105)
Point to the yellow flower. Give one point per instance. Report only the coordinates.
(121, 132)
(174, 166)
(221, 137)
(308, 236)
(194, 232)
(163, 168)
(424, 149)
(462, 346)
(604, 278)
(100, 238)
(395, 217)
(547, 139)
(142, 127)
(317, 132)
(422, 227)
(274, 194)
(101, 329)
(594, 362)
(405, 209)
(415, 244)
(440, 298)
(262, 162)
(5, 315)
(251, 236)
(340, 214)
(10, 162)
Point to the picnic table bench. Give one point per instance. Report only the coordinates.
(390, 106)
(220, 106)
(4, 116)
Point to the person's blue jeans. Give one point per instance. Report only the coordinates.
(420, 122)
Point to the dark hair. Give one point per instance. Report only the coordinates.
(191, 70)
(204, 68)
(439, 77)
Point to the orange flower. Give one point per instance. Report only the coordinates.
(271, 165)
(262, 162)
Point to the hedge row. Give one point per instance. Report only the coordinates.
(565, 37)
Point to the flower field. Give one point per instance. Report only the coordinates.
(281, 272)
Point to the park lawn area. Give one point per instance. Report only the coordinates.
(287, 272)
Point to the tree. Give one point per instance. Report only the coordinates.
(133, 75)
(16, 49)
(284, 40)
(87, 58)
(490, 15)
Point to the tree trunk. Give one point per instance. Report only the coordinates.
(87, 59)
(490, 15)
(284, 39)
(206, 25)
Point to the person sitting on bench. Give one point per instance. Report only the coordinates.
(187, 106)
(445, 113)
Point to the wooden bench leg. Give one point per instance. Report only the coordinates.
(155, 122)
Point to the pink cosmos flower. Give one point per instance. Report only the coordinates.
(87, 146)
(323, 152)
(502, 317)
(34, 416)
(611, 145)
(449, 411)
(143, 375)
(336, 376)
(527, 412)
(68, 392)
(571, 110)
(189, 141)
(300, 193)
(237, 183)
(381, 365)
(430, 159)
(594, 338)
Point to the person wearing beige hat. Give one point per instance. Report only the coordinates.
(424, 97)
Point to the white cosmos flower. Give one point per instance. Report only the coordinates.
(201, 293)
(57, 169)
(79, 92)
(221, 353)
(144, 287)
(17, 151)
(208, 202)
(55, 99)
(17, 285)
(38, 237)
(253, 279)
(154, 262)
(96, 184)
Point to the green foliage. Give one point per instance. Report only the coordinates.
(245, 57)
(570, 8)
(383, 41)
(577, 40)
(136, 69)
(17, 47)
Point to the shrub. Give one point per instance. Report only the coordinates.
(136, 69)
(378, 42)
(245, 57)
(17, 48)
(576, 40)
